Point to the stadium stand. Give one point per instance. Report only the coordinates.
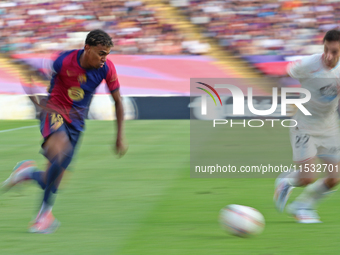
(42, 26)
(264, 32)
(138, 27)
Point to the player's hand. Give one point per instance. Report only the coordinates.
(120, 149)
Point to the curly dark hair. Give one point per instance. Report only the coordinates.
(98, 36)
(332, 36)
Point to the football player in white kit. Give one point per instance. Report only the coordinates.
(316, 135)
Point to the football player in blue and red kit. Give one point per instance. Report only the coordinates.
(76, 75)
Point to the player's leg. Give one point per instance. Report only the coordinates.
(45, 222)
(304, 153)
(301, 208)
(40, 177)
(315, 192)
(56, 147)
(23, 171)
(52, 191)
(73, 136)
(329, 154)
(310, 197)
(304, 206)
(286, 182)
(333, 176)
(27, 169)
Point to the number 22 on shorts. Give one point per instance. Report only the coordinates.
(301, 141)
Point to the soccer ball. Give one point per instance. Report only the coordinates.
(241, 220)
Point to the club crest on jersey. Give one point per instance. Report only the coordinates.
(76, 93)
(328, 93)
(82, 78)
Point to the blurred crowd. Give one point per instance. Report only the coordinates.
(43, 26)
(245, 27)
(264, 27)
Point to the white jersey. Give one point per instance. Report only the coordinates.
(322, 84)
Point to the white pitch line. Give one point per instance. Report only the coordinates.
(13, 129)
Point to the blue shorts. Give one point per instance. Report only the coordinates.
(53, 122)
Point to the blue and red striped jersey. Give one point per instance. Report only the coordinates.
(72, 86)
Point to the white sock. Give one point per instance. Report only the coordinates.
(313, 193)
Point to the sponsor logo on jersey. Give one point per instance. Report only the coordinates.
(328, 93)
(76, 93)
(82, 78)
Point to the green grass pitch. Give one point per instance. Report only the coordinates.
(146, 203)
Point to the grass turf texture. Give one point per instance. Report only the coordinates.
(146, 202)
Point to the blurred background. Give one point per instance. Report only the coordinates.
(146, 202)
(160, 45)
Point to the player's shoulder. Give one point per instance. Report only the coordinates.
(62, 55)
(109, 66)
(315, 58)
(109, 63)
(310, 60)
(306, 63)
(63, 59)
(67, 52)
(304, 66)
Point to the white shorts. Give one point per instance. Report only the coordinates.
(306, 146)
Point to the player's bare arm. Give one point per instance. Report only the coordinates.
(120, 147)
